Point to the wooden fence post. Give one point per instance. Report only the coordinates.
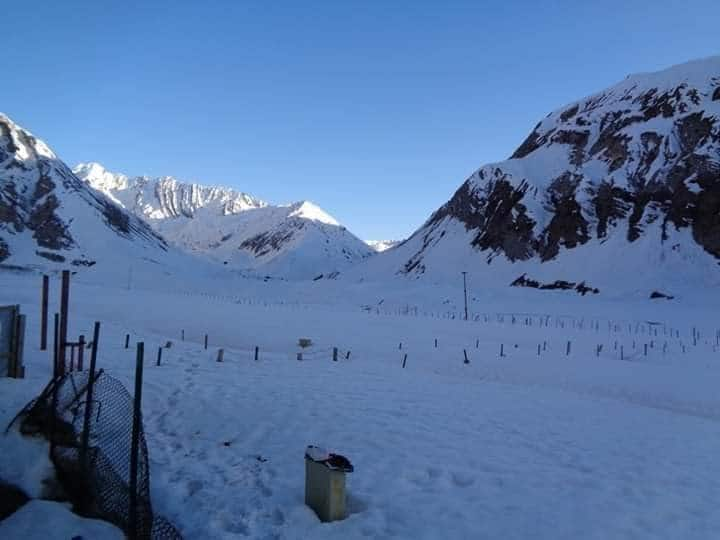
(44, 312)
(64, 309)
(56, 347)
(81, 352)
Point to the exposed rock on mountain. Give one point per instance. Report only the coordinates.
(635, 167)
(47, 212)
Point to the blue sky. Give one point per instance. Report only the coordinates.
(377, 111)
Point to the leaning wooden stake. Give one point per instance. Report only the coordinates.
(404, 360)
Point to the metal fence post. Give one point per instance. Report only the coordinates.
(135, 448)
(89, 400)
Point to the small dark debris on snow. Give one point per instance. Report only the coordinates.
(657, 294)
(581, 288)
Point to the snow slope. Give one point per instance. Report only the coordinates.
(296, 241)
(620, 190)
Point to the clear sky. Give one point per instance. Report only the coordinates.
(375, 110)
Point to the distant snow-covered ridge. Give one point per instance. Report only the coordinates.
(295, 241)
(382, 245)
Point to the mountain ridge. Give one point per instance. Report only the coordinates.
(296, 241)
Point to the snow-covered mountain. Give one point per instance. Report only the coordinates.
(297, 241)
(620, 189)
(382, 245)
(49, 218)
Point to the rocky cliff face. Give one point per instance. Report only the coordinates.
(45, 209)
(640, 157)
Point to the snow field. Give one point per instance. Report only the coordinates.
(521, 446)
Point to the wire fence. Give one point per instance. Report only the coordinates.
(90, 445)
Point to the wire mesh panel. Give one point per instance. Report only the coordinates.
(97, 476)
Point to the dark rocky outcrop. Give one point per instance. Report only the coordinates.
(581, 288)
(55, 257)
(12, 499)
(264, 243)
(567, 228)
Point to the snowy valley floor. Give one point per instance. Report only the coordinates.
(555, 445)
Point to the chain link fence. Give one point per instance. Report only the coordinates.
(90, 446)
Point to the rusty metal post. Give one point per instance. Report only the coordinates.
(135, 448)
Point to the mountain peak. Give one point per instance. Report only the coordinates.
(311, 211)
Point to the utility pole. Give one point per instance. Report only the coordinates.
(465, 291)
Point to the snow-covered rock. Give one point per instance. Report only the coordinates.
(621, 188)
(296, 241)
(382, 245)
